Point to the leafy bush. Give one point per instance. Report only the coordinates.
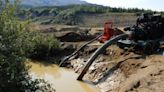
(41, 45)
(14, 47)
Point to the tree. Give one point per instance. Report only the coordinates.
(13, 71)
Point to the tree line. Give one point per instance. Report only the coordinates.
(70, 14)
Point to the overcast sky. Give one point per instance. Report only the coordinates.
(157, 5)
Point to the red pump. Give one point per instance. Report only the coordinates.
(108, 32)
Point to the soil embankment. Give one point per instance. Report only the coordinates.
(120, 71)
(117, 70)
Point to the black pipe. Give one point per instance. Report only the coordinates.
(98, 51)
(81, 48)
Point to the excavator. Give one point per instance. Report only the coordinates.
(146, 35)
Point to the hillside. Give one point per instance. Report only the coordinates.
(51, 2)
(83, 15)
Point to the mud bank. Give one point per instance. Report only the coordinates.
(117, 70)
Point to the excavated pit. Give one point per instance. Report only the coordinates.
(116, 70)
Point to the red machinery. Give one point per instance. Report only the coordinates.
(108, 32)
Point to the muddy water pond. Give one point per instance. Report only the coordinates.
(62, 79)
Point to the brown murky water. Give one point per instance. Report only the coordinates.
(63, 80)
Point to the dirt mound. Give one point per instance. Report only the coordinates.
(116, 70)
(148, 77)
(70, 37)
(135, 74)
(66, 33)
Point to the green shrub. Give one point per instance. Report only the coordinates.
(41, 45)
(14, 46)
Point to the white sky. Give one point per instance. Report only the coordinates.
(157, 5)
